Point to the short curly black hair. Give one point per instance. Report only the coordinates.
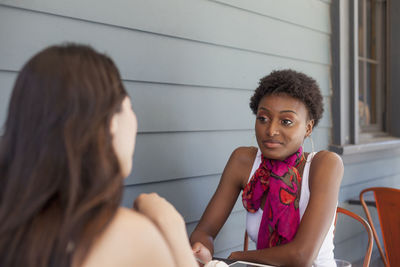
(295, 84)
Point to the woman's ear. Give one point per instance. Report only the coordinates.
(309, 127)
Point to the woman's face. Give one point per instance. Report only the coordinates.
(281, 125)
(123, 130)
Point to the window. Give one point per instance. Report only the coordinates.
(364, 108)
(372, 63)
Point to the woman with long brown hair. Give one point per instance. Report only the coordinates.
(68, 143)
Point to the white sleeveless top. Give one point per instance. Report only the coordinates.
(325, 256)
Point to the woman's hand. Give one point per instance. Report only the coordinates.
(201, 253)
(171, 225)
(233, 179)
(235, 255)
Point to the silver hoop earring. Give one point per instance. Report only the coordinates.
(312, 145)
(311, 142)
(312, 148)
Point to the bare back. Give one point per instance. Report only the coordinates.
(130, 240)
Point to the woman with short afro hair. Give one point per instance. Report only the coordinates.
(295, 84)
(290, 195)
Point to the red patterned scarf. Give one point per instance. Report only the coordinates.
(281, 182)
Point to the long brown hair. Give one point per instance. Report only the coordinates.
(60, 181)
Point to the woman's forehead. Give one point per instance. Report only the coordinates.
(281, 102)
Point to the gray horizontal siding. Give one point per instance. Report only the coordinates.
(190, 196)
(179, 155)
(193, 154)
(150, 57)
(190, 67)
(352, 191)
(298, 13)
(181, 142)
(163, 104)
(379, 171)
(135, 14)
(376, 168)
(199, 24)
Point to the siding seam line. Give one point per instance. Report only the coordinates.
(372, 179)
(271, 17)
(172, 83)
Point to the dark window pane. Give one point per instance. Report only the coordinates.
(372, 64)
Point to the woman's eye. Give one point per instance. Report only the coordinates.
(287, 122)
(262, 119)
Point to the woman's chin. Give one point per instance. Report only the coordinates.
(274, 154)
(126, 170)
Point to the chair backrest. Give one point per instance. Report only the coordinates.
(388, 206)
(246, 241)
(368, 253)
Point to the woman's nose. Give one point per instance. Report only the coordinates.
(273, 129)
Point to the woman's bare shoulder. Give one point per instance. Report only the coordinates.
(244, 155)
(327, 165)
(128, 223)
(240, 164)
(131, 239)
(325, 158)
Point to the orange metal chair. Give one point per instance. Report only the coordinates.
(388, 206)
(368, 253)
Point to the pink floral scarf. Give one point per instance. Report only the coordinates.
(281, 182)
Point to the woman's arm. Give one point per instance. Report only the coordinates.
(220, 206)
(171, 226)
(326, 173)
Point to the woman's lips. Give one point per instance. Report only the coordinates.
(272, 144)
